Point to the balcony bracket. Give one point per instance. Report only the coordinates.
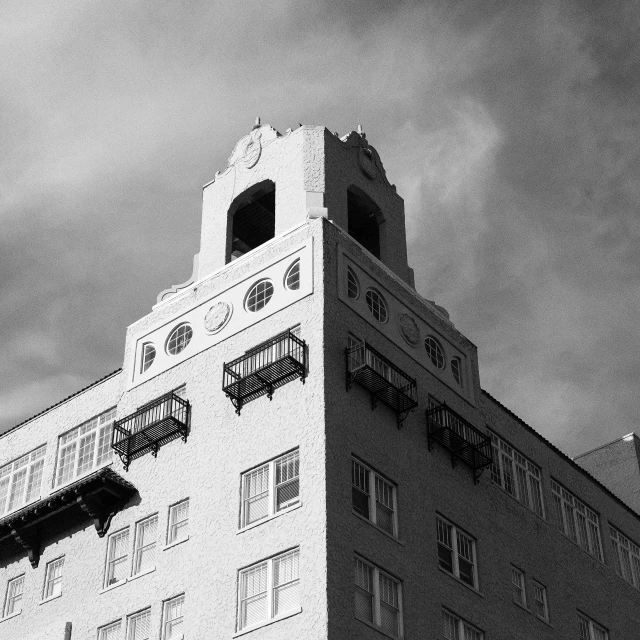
(402, 415)
(100, 513)
(28, 539)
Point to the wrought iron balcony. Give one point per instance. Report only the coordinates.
(151, 426)
(98, 496)
(458, 436)
(382, 378)
(264, 368)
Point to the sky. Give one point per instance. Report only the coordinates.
(511, 129)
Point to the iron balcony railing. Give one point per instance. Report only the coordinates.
(264, 368)
(382, 378)
(151, 426)
(461, 438)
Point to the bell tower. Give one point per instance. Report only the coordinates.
(276, 182)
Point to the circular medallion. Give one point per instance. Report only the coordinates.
(409, 329)
(252, 150)
(217, 316)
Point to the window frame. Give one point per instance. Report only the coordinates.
(544, 601)
(272, 490)
(165, 620)
(97, 462)
(521, 471)
(297, 278)
(592, 626)
(376, 574)
(270, 590)
(33, 463)
(456, 371)
(437, 356)
(135, 616)
(373, 475)
(563, 499)
(181, 342)
(105, 628)
(138, 549)
(626, 568)
(171, 524)
(352, 278)
(10, 600)
(108, 574)
(519, 588)
(146, 360)
(377, 307)
(455, 552)
(262, 298)
(462, 627)
(47, 579)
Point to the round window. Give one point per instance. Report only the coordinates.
(259, 295)
(179, 338)
(434, 351)
(148, 356)
(292, 279)
(353, 288)
(377, 305)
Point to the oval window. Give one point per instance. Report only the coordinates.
(179, 338)
(377, 305)
(259, 295)
(353, 288)
(148, 356)
(434, 351)
(292, 279)
(456, 370)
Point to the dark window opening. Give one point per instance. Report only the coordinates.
(364, 218)
(254, 219)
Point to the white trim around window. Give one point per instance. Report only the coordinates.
(172, 618)
(539, 601)
(518, 587)
(270, 488)
(269, 590)
(378, 598)
(53, 579)
(14, 595)
(373, 497)
(21, 479)
(145, 545)
(178, 525)
(457, 552)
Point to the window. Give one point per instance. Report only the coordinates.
(517, 586)
(518, 476)
(144, 558)
(373, 497)
(178, 522)
(139, 626)
(259, 295)
(86, 447)
(172, 619)
(457, 629)
(13, 602)
(148, 356)
(377, 305)
(363, 215)
(110, 632)
(590, 630)
(53, 579)
(20, 480)
(117, 554)
(269, 589)
(577, 521)
(456, 370)
(456, 552)
(353, 288)
(377, 598)
(253, 211)
(626, 555)
(292, 279)
(179, 338)
(540, 607)
(434, 351)
(270, 488)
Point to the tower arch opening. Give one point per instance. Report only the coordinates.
(252, 219)
(364, 219)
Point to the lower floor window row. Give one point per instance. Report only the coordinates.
(378, 598)
(269, 589)
(138, 626)
(457, 629)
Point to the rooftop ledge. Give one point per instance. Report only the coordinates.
(98, 496)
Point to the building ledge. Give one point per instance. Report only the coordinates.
(98, 496)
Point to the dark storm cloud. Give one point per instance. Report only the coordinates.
(511, 129)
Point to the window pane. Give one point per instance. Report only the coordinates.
(253, 595)
(256, 495)
(286, 596)
(389, 613)
(360, 489)
(117, 557)
(54, 578)
(450, 626)
(112, 632)
(173, 619)
(384, 505)
(179, 521)
(14, 596)
(138, 627)
(146, 536)
(287, 480)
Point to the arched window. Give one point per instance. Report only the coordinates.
(292, 278)
(456, 370)
(364, 218)
(259, 295)
(434, 351)
(148, 356)
(353, 288)
(253, 215)
(377, 305)
(179, 338)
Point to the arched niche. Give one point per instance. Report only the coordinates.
(364, 219)
(252, 219)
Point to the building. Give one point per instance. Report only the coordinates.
(298, 445)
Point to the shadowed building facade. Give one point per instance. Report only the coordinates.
(298, 445)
